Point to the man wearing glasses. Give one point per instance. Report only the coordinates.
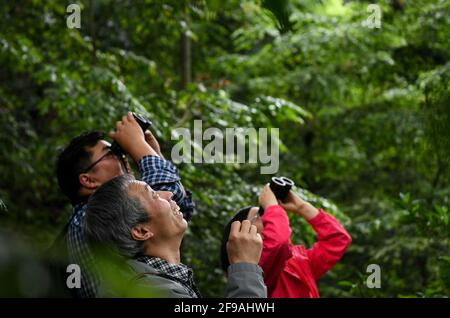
(88, 162)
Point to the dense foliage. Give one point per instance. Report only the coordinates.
(363, 113)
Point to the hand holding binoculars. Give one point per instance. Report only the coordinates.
(280, 187)
(143, 122)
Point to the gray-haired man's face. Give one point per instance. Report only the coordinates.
(166, 219)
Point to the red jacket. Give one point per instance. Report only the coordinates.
(291, 271)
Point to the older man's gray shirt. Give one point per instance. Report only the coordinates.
(244, 281)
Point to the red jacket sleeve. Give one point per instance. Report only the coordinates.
(332, 242)
(276, 243)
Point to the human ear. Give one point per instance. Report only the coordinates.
(87, 181)
(141, 232)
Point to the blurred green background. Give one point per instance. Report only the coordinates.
(364, 118)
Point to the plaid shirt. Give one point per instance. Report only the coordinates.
(179, 273)
(161, 175)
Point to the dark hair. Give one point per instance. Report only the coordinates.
(110, 216)
(71, 162)
(240, 216)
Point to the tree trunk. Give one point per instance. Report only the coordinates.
(185, 42)
(185, 47)
(92, 31)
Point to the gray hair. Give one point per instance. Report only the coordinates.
(111, 215)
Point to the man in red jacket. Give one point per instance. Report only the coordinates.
(291, 271)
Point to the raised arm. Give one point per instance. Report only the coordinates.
(332, 242)
(332, 238)
(245, 277)
(276, 237)
(159, 173)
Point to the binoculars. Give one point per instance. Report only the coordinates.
(281, 186)
(143, 122)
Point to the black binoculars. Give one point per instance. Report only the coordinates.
(143, 122)
(281, 186)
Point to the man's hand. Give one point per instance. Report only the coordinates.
(244, 243)
(266, 197)
(295, 204)
(151, 140)
(130, 137)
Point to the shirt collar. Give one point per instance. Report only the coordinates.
(179, 271)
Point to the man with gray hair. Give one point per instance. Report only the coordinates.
(146, 227)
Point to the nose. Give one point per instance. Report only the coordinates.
(167, 195)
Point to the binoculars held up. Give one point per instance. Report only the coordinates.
(281, 186)
(143, 122)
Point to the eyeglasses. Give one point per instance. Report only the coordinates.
(258, 215)
(107, 154)
(254, 218)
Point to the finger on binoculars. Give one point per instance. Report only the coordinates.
(235, 228)
(246, 225)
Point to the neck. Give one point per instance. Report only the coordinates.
(85, 193)
(168, 251)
